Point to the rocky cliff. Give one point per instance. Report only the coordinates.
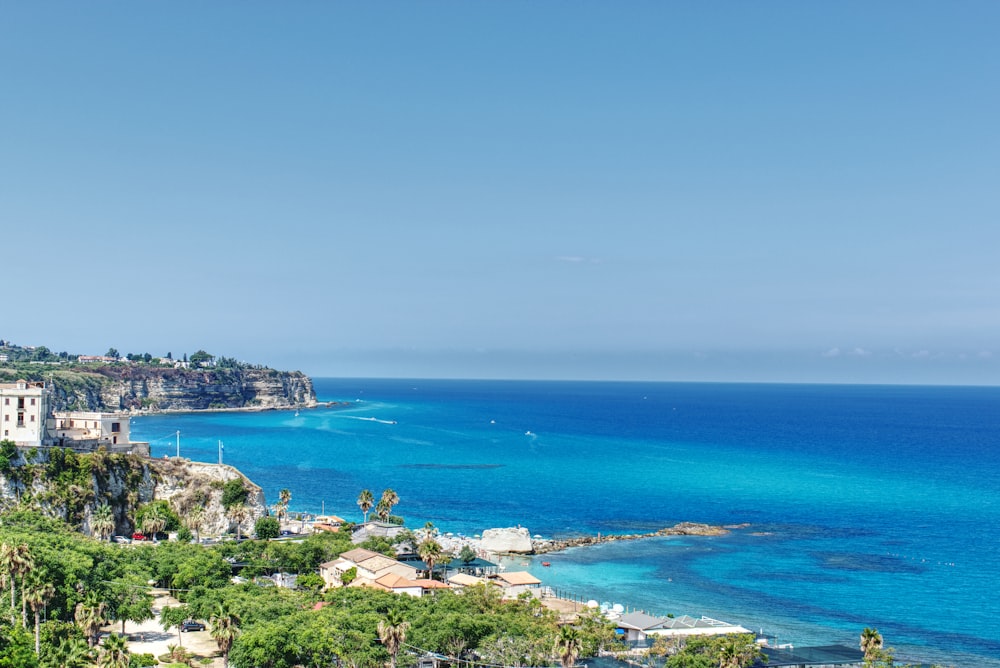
(71, 486)
(122, 387)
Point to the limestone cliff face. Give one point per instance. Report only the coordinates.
(122, 387)
(125, 482)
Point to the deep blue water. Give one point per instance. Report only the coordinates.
(868, 505)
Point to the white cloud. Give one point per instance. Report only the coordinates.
(860, 352)
(832, 352)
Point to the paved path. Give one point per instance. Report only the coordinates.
(149, 637)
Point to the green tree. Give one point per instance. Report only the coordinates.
(365, 502)
(174, 615)
(112, 352)
(201, 357)
(115, 653)
(392, 634)
(154, 520)
(38, 594)
(385, 504)
(267, 528)
(16, 650)
(194, 520)
(225, 628)
(102, 521)
(233, 492)
(69, 653)
(90, 617)
(738, 650)
(129, 599)
(430, 552)
(467, 554)
(568, 646)
(238, 513)
(871, 643)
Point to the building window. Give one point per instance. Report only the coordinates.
(116, 427)
(6, 418)
(6, 401)
(32, 418)
(32, 401)
(20, 403)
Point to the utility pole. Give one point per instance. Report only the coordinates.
(220, 453)
(178, 444)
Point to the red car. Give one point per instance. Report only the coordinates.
(139, 536)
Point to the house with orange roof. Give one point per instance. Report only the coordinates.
(370, 567)
(516, 583)
(400, 585)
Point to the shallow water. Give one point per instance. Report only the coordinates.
(868, 506)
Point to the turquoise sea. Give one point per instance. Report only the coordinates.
(867, 505)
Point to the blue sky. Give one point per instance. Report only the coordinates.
(773, 191)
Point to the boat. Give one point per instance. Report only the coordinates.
(546, 563)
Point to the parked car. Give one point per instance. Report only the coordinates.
(121, 539)
(191, 625)
(139, 536)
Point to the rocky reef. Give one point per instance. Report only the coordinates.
(121, 387)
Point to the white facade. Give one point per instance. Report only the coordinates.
(24, 408)
(103, 428)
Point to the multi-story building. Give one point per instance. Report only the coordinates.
(24, 411)
(96, 428)
(27, 419)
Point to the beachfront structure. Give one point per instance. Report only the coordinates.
(375, 529)
(24, 409)
(462, 580)
(637, 627)
(370, 567)
(515, 583)
(398, 584)
(330, 523)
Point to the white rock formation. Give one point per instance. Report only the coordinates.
(507, 540)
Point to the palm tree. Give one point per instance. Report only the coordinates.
(389, 499)
(102, 521)
(71, 653)
(365, 502)
(224, 629)
(194, 519)
(430, 552)
(115, 654)
(38, 595)
(738, 651)
(90, 617)
(154, 521)
(284, 498)
(871, 643)
(568, 646)
(16, 562)
(7, 572)
(20, 562)
(392, 634)
(238, 512)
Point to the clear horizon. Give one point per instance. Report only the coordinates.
(722, 193)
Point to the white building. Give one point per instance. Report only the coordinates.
(83, 426)
(24, 409)
(26, 419)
